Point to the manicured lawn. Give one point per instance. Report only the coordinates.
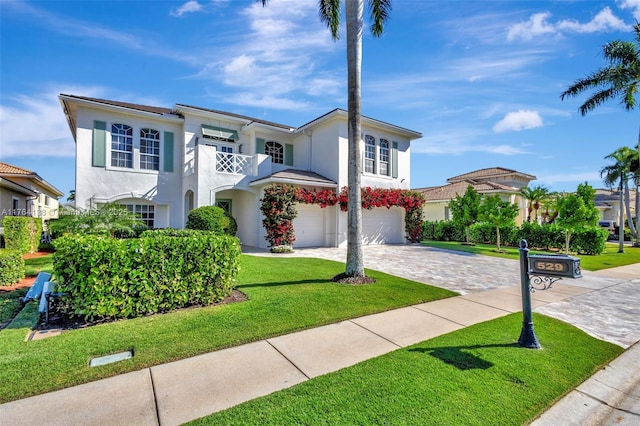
(285, 295)
(38, 264)
(609, 259)
(474, 376)
(10, 303)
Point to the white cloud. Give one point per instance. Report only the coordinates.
(189, 7)
(538, 24)
(518, 120)
(605, 20)
(35, 125)
(634, 5)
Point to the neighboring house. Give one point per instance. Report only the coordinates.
(161, 163)
(25, 193)
(608, 203)
(491, 181)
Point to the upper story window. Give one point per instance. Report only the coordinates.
(369, 154)
(384, 157)
(149, 149)
(276, 151)
(121, 145)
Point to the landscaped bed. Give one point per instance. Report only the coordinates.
(285, 295)
(474, 376)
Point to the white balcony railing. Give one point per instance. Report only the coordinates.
(235, 164)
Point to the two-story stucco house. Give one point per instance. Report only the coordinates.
(162, 163)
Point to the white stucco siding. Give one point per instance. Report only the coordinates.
(325, 151)
(110, 184)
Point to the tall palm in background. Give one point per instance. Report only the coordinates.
(619, 79)
(619, 173)
(330, 14)
(534, 196)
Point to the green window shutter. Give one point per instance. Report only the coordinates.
(288, 155)
(99, 144)
(168, 152)
(259, 146)
(394, 159)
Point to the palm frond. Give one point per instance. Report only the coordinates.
(380, 10)
(329, 12)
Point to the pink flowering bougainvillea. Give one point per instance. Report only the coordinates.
(278, 208)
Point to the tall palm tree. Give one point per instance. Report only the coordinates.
(619, 173)
(534, 197)
(619, 79)
(330, 12)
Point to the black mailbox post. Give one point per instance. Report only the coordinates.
(545, 270)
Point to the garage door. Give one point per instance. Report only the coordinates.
(309, 226)
(383, 226)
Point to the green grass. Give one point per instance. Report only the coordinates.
(38, 264)
(610, 258)
(10, 304)
(285, 295)
(474, 376)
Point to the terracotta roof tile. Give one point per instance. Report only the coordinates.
(447, 192)
(9, 169)
(488, 173)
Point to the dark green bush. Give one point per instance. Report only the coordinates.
(11, 267)
(212, 218)
(486, 233)
(110, 278)
(590, 241)
(448, 231)
(429, 230)
(172, 232)
(542, 237)
(22, 233)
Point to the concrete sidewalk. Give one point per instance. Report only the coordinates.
(174, 393)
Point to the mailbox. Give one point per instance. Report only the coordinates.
(559, 265)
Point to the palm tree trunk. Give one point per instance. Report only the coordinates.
(354, 16)
(627, 209)
(621, 222)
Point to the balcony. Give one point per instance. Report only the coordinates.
(237, 164)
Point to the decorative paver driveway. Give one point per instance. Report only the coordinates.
(610, 312)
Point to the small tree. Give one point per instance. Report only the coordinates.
(497, 213)
(465, 209)
(577, 210)
(105, 219)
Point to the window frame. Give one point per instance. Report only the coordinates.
(150, 213)
(369, 154)
(146, 156)
(275, 150)
(118, 158)
(381, 157)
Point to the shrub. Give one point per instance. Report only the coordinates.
(171, 232)
(486, 233)
(590, 241)
(11, 267)
(212, 218)
(429, 230)
(448, 231)
(22, 233)
(110, 278)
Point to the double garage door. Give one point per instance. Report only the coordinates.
(379, 225)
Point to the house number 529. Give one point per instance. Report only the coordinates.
(550, 266)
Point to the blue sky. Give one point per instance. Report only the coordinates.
(481, 80)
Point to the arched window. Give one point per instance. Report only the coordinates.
(276, 151)
(369, 154)
(149, 149)
(121, 145)
(384, 157)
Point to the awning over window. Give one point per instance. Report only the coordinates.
(219, 133)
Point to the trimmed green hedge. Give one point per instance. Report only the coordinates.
(171, 232)
(212, 218)
(22, 233)
(110, 278)
(11, 267)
